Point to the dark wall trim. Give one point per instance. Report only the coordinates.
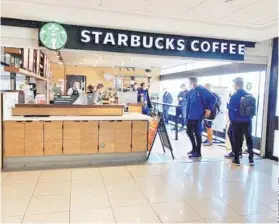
(272, 120)
(217, 70)
(21, 23)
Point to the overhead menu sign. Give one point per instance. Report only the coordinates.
(124, 41)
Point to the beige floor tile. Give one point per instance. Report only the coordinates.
(246, 206)
(117, 184)
(14, 207)
(176, 212)
(4, 175)
(160, 195)
(88, 186)
(114, 172)
(150, 182)
(233, 190)
(55, 175)
(53, 188)
(86, 173)
(271, 217)
(12, 220)
(23, 177)
(164, 169)
(126, 198)
(49, 218)
(17, 190)
(89, 201)
(142, 171)
(135, 214)
(211, 208)
(269, 200)
(49, 204)
(236, 219)
(103, 215)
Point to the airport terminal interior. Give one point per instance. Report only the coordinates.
(98, 105)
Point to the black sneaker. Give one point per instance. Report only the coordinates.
(236, 162)
(191, 152)
(195, 156)
(230, 155)
(251, 162)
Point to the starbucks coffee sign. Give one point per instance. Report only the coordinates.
(55, 36)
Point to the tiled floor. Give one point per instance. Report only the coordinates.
(160, 191)
(175, 192)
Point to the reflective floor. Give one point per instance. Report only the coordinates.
(173, 192)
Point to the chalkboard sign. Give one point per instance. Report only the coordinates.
(65, 100)
(90, 97)
(164, 138)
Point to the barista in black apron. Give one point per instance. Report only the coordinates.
(74, 90)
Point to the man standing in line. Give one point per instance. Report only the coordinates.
(241, 110)
(182, 102)
(167, 98)
(200, 103)
(207, 123)
(143, 97)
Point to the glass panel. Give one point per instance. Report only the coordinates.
(276, 144)
(254, 84)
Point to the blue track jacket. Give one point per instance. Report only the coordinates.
(199, 99)
(167, 98)
(183, 95)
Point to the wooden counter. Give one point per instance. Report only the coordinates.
(52, 139)
(67, 110)
(135, 107)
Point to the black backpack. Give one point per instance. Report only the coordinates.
(217, 107)
(247, 106)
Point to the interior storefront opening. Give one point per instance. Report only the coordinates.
(118, 72)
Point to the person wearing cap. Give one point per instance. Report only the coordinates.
(98, 94)
(182, 102)
(241, 125)
(200, 103)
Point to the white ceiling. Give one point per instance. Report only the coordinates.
(103, 59)
(254, 20)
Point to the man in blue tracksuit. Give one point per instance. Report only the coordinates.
(167, 98)
(182, 102)
(241, 125)
(200, 103)
(143, 97)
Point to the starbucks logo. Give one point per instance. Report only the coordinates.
(53, 36)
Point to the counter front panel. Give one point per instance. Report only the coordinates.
(45, 138)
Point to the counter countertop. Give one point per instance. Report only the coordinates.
(69, 106)
(126, 116)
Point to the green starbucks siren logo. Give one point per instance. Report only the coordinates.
(53, 36)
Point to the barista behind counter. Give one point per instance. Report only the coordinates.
(74, 90)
